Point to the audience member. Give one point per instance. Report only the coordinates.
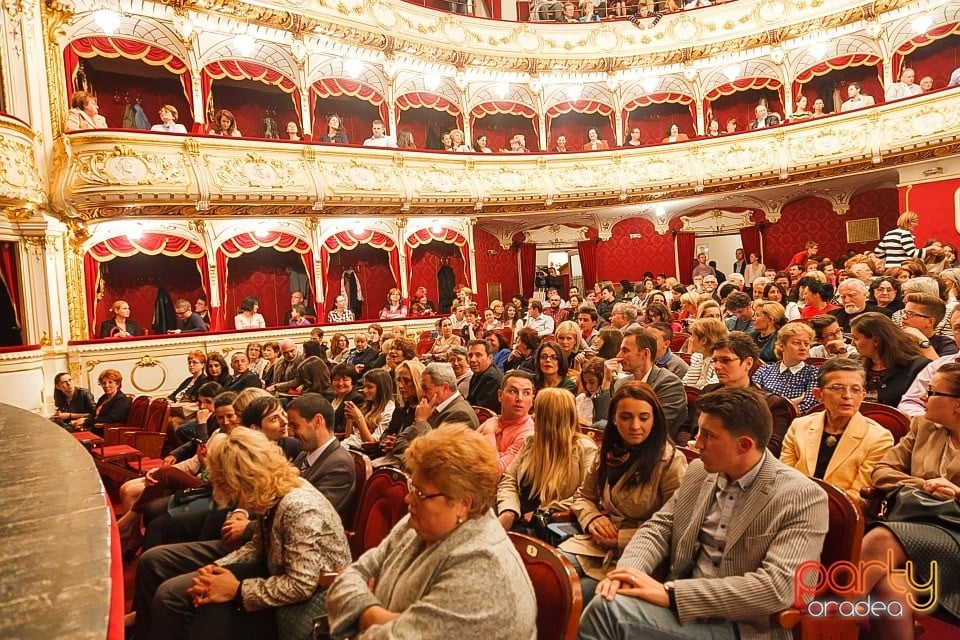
(285, 370)
(763, 118)
(920, 317)
(666, 358)
(891, 358)
(856, 99)
(225, 124)
(485, 383)
(539, 321)
(242, 377)
(853, 296)
(249, 318)
(551, 368)
(188, 320)
(112, 407)
(905, 88)
(704, 334)
(791, 376)
(168, 121)
(394, 307)
(73, 404)
(367, 423)
(121, 326)
(84, 113)
(379, 137)
(830, 340)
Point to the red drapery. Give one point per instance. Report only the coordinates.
(334, 87)
(585, 107)
(653, 113)
(911, 45)
(10, 275)
(248, 243)
(588, 260)
(528, 267)
(113, 47)
(447, 236)
(738, 85)
(247, 70)
(91, 281)
(686, 249)
(833, 64)
(750, 241)
(498, 108)
(352, 239)
(426, 115)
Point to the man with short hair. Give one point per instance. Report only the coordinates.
(624, 317)
(921, 314)
(635, 361)
(569, 15)
(905, 88)
(587, 319)
(839, 445)
(608, 298)
(379, 137)
(340, 311)
(485, 383)
(741, 311)
(710, 284)
(507, 431)
(458, 318)
(740, 264)
(665, 357)
(322, 461)
(855, 98)
(538, 320)
(830, 340)
(242, 377)
(74, 404)
(811, 250)
(296, 298)
(554, 310)
(188, 321)
(914, 401)
(861, 271)
(702, 268)
(763, 118)
(733, 536)
(853, 297)
(285, 368)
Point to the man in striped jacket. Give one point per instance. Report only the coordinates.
(734, 533)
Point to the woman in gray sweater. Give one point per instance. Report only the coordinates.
(431, 576)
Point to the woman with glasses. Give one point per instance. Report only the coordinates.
(885, 292)
(891, 358)
(839, 445)
(431, 577)
(925, 458)
(552, 366)
(546, 472)
(187, 390)
(791, 376)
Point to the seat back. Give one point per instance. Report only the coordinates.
(364, 468)
(157, 416)
(894, 420)
(556, 585)
(139, 409)
(845, 531)
(683, 355)
(678, 340)
(483, 414)
(595, 434)
(382, 505)
(424, 345)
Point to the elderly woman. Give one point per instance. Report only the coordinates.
(637, 471)
(925, 458)
(885, 292)
(791, 377)
(112, 407)
(549, 467)
(839, 444)
(768, 317)
(890, 356)
(267, 587)
(84, 113)
(899, 245)
(249, 318)
(168, 121)
(394, 308)
(704, 334)
(121, 326)
(431, 576)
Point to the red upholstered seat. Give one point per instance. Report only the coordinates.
(557, 587)
(678, 340)
(595, 434)
(382, 505)
(364, 469)
(483, 414)
(424, 345)
(895, 421)
(136, 419)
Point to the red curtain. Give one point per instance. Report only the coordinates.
(247, 70)
(572, 119)
(654, 113)
(588, 261)
(528, 267)
(686, 250)
(91, 281)
(218, 315)
(9, 275)
(750, 241)
(425, 237)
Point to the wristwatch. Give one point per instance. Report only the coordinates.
(925, 344)
(669, 587)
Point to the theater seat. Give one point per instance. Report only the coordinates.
(556, 585)
(483, 414)
(894, 420)
(382, 505)
(364, 469)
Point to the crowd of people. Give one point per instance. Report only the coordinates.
(580, 421)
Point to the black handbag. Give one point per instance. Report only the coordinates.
(910, 504)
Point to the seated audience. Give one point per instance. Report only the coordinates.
(292, 131)
(768, 318)
(885, 291)
(551, 368)
(421, 305)
(84, 113)
(674, 135)
(408, 376)
(704, 334)
(379, 137)
(74, 404)
(817, 297)
(168, 121)
(335, 133)
(121, 326)
(242, 593)
(445, 339)
(285, 370)
(242, 377)
(199, 428)
(186, 391)
(431, 576)
(501, 350)
(343, 383)
(394, 308)
(665, 358)
(225, 124)
(791, 376)
(457, 357)
(637, 471)
(761, 547)
(485, 383)
(547, 469)
(266, 414)
(830, 339)
(801, 112)
(113, 406)
(926, 458)
(891, 358)
(571, 343)
(364, 356)
(839, 445)
(740, 307)
(339, 349)
(248, 318)
(905, 88)
(255, 360)
(340, 313)
(188, 320)
(507, 431)
(216, 369)
(200, 308)
(366, 423)
(297, 299)
(921, 316)
(853, 296)
(590, 375)
(856, 99)
(763, 118)
(313, 376)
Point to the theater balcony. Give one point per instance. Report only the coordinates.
(22, 190)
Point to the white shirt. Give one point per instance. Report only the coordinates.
(382, 141)
(173, 127)
(899, 90)
(542, 324)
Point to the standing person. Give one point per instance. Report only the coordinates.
(753, 270)
(773, 520)
(72, 402)
(740, 264)
(898, 245)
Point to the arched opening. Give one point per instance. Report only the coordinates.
(654, 115)
(370, 267)
(729, 101)
(357, 105)
(270, 276)
(574, 119)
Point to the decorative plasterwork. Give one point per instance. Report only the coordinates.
(21, 188)
(717, 221)
(555, 234)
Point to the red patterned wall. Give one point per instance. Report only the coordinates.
(624, 257)
(426, 262)
(135, 279)
(654, 122)
(248, 100)
(373, 270)
(574, 126)
(937, 60)
(263, 274)
(935, 202)
(355, 114)
(788, 236)
(499, 267)
(139, 81)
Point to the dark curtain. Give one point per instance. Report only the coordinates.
(686, 255)
(10, 304)
(528, 267)
(588, 262)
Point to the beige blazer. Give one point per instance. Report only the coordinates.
(862, 446)
(781, 523)
(917, 458)
(508, 492)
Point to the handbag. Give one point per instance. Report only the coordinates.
(910, 504)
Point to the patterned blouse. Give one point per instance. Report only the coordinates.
(795, 382)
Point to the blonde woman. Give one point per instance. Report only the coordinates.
(898, 245)
(951, 280)
(704, 334)
(768, 317)
(791, 376)
(549, 467)
(459, 142)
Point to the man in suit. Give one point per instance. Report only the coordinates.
(285, 369)
(635, 361)
(734, 533)
(242, 377)
(322, 461)
(740, 265)
(485, 383)
(439, 402)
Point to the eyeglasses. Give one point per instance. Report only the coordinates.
(420, 496)
(837, 333)
(549, 357)
(910, 314)
(932, 393)
(841, 389)
(725, 361)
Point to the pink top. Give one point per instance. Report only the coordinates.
(507, 437)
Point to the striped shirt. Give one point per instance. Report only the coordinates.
(896, 247)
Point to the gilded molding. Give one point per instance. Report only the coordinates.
(21, 187)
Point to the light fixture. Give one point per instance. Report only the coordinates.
(732, 72)
(501, 89)
(299, 51)
(183, 26)
(436, 229)
(432, 81)
(244, 44)
(353, 68)
(135, 233)
(650, 83)
(262, 232)
(108, 20)
(920, 24)
(574, 91)
(818, 50)
(660, 211)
